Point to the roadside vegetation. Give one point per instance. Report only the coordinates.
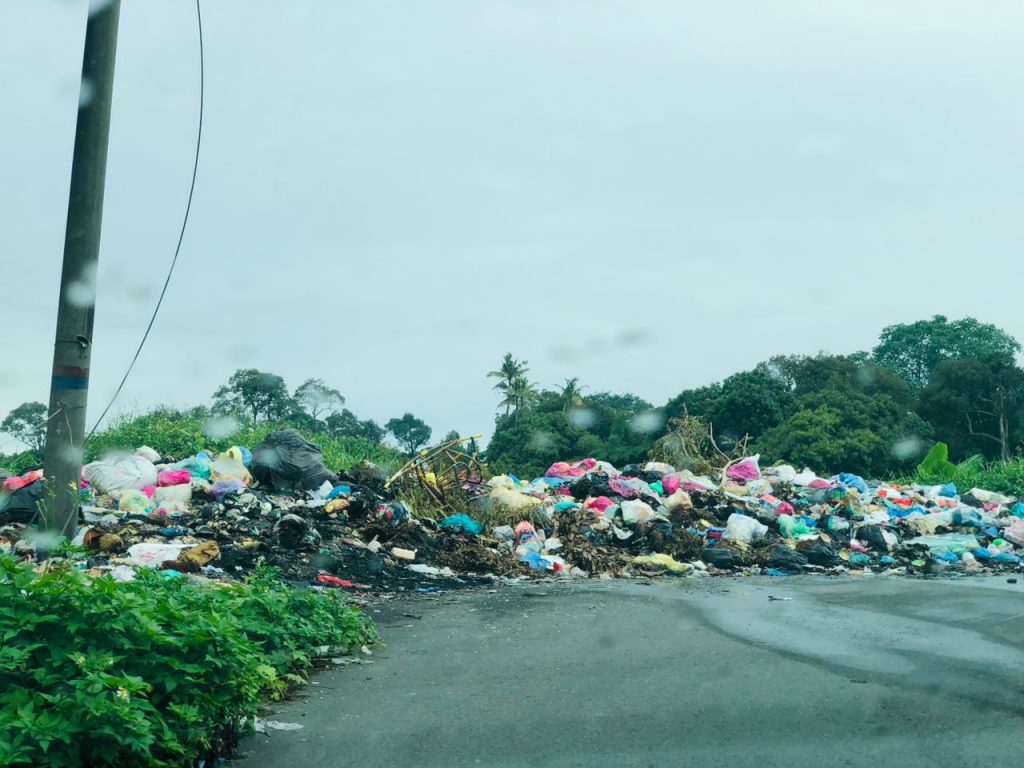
(154, 672)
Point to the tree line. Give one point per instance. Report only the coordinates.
(255, 397)
(872, 412)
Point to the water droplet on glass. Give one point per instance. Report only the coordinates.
(647, 422)
(72, 454)
(584, 418)
(82, 292)
(43, 539)
(541, 440)
(908, 447)
(221, 427)
(86, 93)
(95, 6)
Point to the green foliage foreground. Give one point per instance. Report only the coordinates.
(155, 672)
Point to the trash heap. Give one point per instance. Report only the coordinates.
(221, 516)
(778, 521)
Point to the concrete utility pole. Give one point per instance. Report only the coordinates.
(72, 349)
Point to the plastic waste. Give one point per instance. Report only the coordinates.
(743, 528)
(229, 466)
(662, 562)
(151, 555)
(116, 475)
(170, 477)
(747, 469)
(787, 559)
(1015, 532)
(169, 494)
(286, 461)
(463, 523)
(792, 527)
(721, 557)
(134, 502)
(636, 512)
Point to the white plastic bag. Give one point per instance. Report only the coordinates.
(151, 554)
(743, 528)
(113, 476)
(634, 511)
(173, 493)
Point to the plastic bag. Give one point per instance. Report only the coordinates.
(151, 554)
(746, 469)
(1015, 532)
(463, 523)
(134, 502)
(636, 512)
(661, 561)
(114, 476)
(787, 559)
(174, 477)
(170, 494)
(229, 466)
(743, 528)
(287, 461)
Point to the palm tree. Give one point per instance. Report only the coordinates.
(521, 393)
(572, 393)
(510, 370)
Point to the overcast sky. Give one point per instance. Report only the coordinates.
(391, 195)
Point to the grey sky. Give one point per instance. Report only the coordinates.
(649, 195)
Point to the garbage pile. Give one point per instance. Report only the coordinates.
(778, 521)
(221, 516)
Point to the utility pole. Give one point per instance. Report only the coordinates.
(72, 349)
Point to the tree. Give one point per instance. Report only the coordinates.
(527, 443)
(507, 374)
(317, 400)
(452, 435)
(857, 372)
(572, 393)
(256, 394)
(346, 424)
(521, 393)
(975, 405)
(410, 433)
(746, 403)
(836, 430)
(27, 423)
(913, 351)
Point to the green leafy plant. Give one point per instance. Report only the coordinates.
(155, 672)
(936, 466)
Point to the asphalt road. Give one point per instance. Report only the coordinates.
(712, 672)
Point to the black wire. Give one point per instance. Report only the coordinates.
(184, 224)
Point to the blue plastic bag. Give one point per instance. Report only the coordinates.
(462, 523)
(338, 490)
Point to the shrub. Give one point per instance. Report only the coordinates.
(155, 672)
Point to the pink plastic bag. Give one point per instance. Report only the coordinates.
(173, 477)
(623, 487)
(670, 483)
(744, 470)
(600, 504)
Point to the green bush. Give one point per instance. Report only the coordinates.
(155, 672)
(180, 434)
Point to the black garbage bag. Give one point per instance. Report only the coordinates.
(971, 501)
(721, 557)
(821, 553)
(595, 484)
(22, 505)
(871, 536)
(632, 470)
(787, 559)
(286, 461)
